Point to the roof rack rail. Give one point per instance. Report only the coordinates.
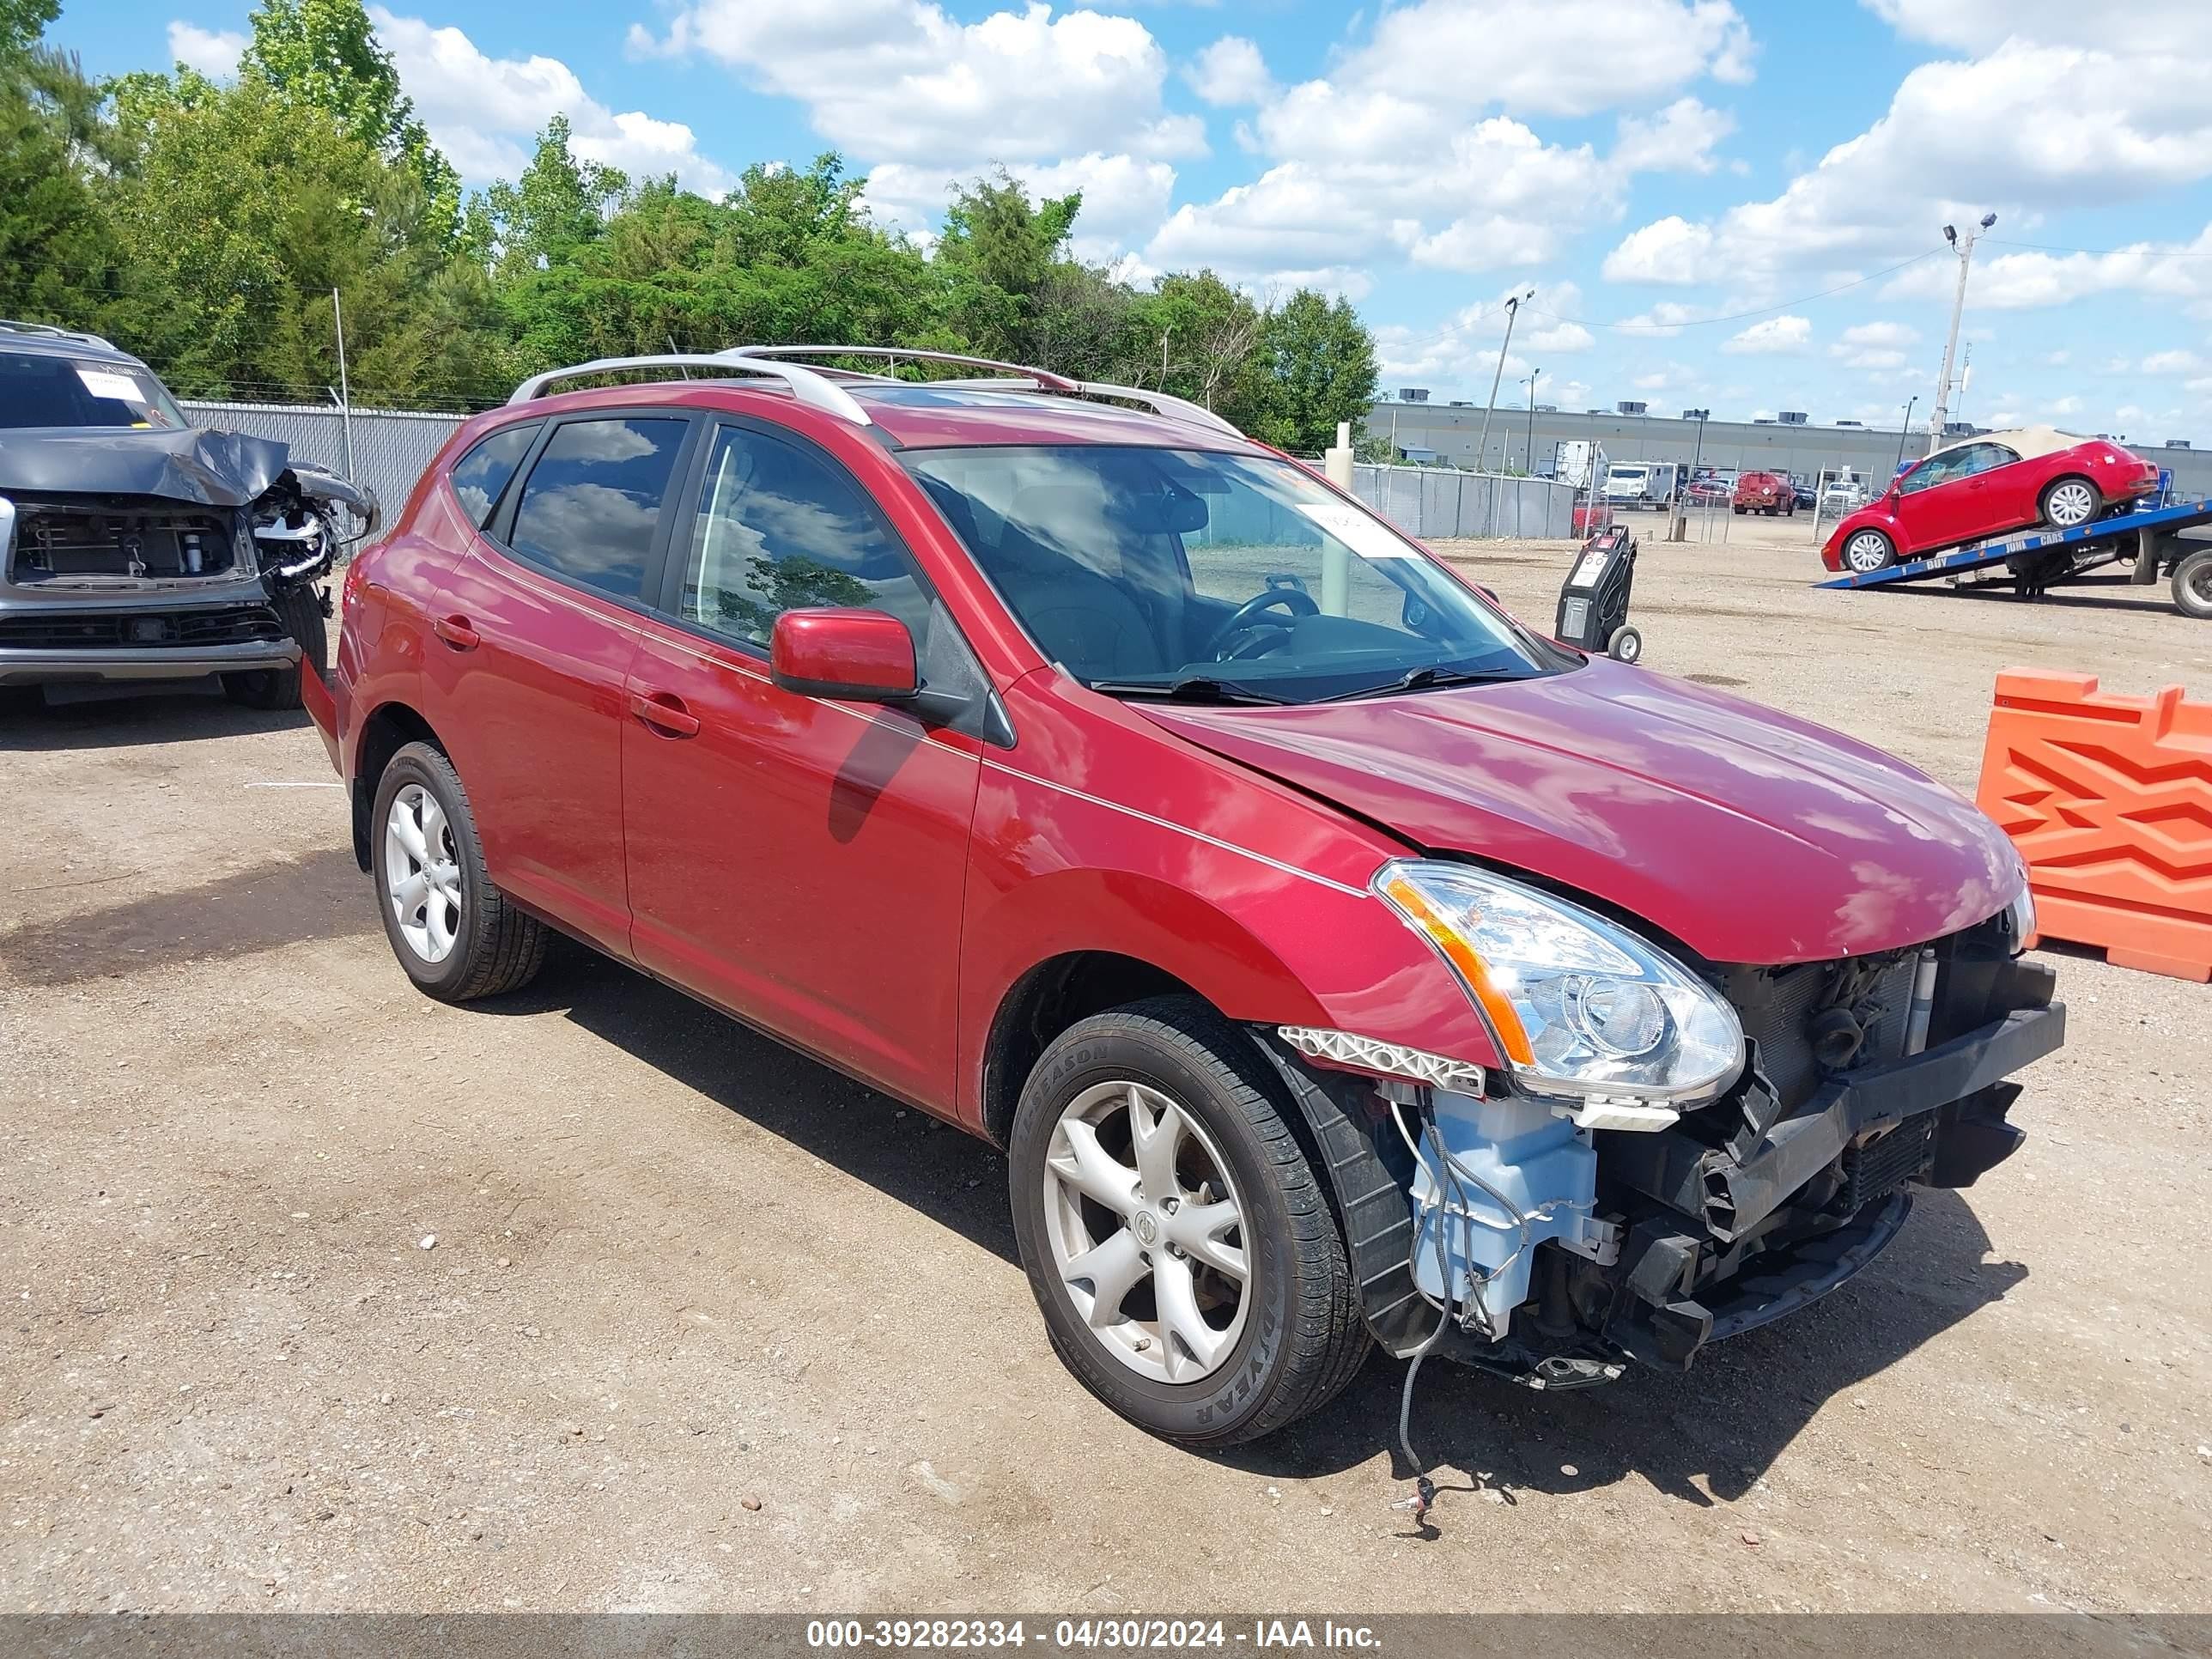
(50, 331)
(1042, 380)
(1161, 403)
(820, 391)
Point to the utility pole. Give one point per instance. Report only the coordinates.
(1903, 427)
(1512, 310)
(1532, 374)
(1964, 246)
(345, 391)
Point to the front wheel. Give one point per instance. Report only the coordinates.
(1177, 1239)
(2192, 584)
(456, 934)
(2071, 502)
(1868, 551)
(1626, 644)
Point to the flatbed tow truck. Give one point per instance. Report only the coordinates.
(2035, 561)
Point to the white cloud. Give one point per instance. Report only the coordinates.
(904, 81)
(1669, 250)
(1868, 357)
(212, 53)
(1775, 335)
(1463, 350)
(1680, 138)
(1980, 24)
(2176, 272)
(1549, 57)
(482, 111)
(2172, 362)
(2038, 121)
(1229, 73)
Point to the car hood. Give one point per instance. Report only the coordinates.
(187, 463)
(1749, 835)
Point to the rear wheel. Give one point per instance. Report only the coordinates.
(2192, 584)
(456, 934)
(300, 610)
(1176, 1237)
(1626, 644)
(2070, 503)
(1868, 551)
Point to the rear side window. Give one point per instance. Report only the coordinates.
(589, 507)
(480, 476)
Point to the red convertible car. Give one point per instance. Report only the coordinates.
(1985, 486)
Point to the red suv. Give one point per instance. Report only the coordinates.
(1336, 959)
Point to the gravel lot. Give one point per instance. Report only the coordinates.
(705, 1326)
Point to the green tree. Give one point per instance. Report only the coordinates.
(325, 54)
(1316, 367)
(21, 23)
(1202, 338)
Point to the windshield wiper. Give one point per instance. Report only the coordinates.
(1187, 690)
(1423, 680)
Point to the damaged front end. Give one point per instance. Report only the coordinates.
(1555, 1235)
(161, 554)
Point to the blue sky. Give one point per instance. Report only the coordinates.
(1677, 179)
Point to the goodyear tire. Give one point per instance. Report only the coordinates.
(1198, 1284)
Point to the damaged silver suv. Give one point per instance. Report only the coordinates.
(136, 546)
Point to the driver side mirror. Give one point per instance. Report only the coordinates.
(845, 654)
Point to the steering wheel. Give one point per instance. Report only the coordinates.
(1248, 613)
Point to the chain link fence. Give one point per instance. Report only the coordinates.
(384, 449)
(387, 449)
(1438, 503)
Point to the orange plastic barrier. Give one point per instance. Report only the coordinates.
(2109, 799)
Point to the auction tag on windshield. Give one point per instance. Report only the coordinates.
(1362, 534)
(102, 384)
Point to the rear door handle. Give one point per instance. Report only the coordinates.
(664, 710)
(457, 632)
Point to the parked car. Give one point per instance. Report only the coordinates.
(1711, 490)
(1110, 785)
(136, 546)
(1801, 491)
(1763, 492)
(1985, 486)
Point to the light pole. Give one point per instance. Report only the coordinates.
(1904, 426)
(1531, 468)
(1512, 310)
(1965, 245)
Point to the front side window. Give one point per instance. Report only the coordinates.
(1147, 571)
(1936, 470)
(592, 503)
(782, 527)
(481, 474)
(39, 390)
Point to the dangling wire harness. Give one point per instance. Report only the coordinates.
(1450, 1180)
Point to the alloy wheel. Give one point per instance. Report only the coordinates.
(2070, 504)
(423, 874)
(1866, 551)
(1147, 1231)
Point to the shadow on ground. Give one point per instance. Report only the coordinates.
(125, 717)
(1706, 1436)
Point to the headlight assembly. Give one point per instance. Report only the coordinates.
(1578, 1005)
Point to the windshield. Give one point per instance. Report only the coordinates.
(1153, 572)
(38, 389)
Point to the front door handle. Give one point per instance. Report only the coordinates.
(664, 711)
(457, 632)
